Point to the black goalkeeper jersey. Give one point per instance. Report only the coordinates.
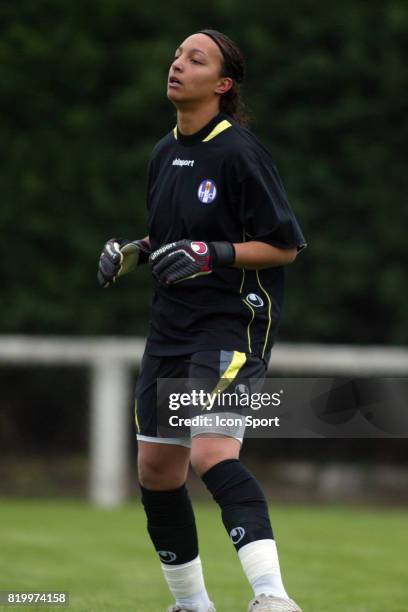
(217, 184)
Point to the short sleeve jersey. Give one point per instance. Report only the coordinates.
(217, 184)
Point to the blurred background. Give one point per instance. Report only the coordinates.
(83, 101)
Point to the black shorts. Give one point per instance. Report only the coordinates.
(215, 365)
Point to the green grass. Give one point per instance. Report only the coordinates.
(333, 559)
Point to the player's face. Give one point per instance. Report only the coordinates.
(194, 75)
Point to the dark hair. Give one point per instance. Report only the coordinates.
(233, 66)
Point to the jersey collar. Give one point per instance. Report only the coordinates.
(218, 124)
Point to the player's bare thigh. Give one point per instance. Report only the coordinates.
(162, 467)
(208, 450)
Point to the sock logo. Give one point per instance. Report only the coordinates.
(166, 556)
(237, 534)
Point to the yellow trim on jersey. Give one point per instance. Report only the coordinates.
(249, 324)
(237, 362)
(243, 278)
(220, 127)
(250, 308)
(269, 312)
(136, 419)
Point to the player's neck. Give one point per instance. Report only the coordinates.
(190, 121)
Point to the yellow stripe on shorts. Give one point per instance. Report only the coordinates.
(136, 419)
(237, 362)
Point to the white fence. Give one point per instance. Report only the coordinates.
(110, 360)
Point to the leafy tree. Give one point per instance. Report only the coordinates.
(83, 102)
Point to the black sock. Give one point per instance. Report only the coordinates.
(171, 524)
(242, 502)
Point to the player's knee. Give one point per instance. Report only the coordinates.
(161, 466)
(148, 474)
(207, 452)
(202, 460)
(154, 474)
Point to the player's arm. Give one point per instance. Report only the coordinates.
(186, 259)
(255, 255)
(120, 256)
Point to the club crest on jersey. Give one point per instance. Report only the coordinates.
(207, 191)
(254, 300)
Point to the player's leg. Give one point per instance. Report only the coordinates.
(243, 506)
(162, 468)
(245, 516)
(170, 521)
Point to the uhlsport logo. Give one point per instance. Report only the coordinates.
(207, 191)
(254, 300)
(166, 556)
(241, 389)
(183, 162)
(199, 247)
(237, 534)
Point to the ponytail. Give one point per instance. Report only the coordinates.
(233, 66)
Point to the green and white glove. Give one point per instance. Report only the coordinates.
(120, 256)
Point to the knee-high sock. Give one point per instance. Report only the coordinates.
(171, 526)
(246, 519)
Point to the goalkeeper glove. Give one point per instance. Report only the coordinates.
(179, 261)
(120, 256)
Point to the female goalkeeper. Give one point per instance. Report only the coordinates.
(220, 231)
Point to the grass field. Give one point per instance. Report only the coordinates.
(333, 559)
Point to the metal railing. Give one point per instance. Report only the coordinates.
(111, 359)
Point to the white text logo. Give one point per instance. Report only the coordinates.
(183, 162)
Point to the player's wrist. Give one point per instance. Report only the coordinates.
(144, 251)
(135, 253)
(222, 254)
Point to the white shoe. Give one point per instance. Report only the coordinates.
(177, 608)
(270, 603)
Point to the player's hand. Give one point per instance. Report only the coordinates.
(135, 253)
(110, 263)
(186, 259)
(120, 256)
